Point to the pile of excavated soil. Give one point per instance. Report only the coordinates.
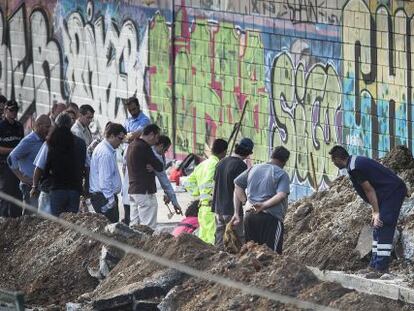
(47, 262)
(323, 230)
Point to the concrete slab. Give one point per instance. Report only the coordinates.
(395, 289)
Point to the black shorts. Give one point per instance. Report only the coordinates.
(263, 228)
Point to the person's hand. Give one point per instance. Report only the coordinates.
(235, 220)
(149, 167)
(376, 222)
(166, 199)
(178, 210)
(34, 192)
(259, 207)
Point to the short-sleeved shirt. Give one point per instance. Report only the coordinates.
(264, 181)
(226, 171)
(382, 179)
(22, 157)
(10, 136)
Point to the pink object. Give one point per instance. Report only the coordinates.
(187, 225)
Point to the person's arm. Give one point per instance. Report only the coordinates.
(239, 199)
(168, 189)
(373, 200)
(276, 199)
(239, 195)
(152, 160)
(5, 150)
(18, 153)
(106, 177)
(38, 173)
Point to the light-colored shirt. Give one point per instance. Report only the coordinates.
(164, 181)
(262, 182)
(23, 155)
(104, 174)
(41, 157)
(83, 132)
(138, 123)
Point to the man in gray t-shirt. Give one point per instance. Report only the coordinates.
(267, 189)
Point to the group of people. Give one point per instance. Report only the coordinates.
(60, 160)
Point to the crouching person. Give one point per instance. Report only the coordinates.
(264, 189)
(104, 179)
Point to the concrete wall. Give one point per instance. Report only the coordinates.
(312, 72)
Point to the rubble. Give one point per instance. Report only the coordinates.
(59, 269)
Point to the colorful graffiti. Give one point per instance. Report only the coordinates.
(310, 74)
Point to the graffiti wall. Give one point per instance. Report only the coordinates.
(308, 74)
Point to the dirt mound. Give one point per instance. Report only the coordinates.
(400, 160)
(47, 262)
(323, 229)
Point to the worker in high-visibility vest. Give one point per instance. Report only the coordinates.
(201, 184)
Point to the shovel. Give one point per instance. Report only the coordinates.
(170, 212)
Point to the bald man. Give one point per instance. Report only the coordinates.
(22, 157)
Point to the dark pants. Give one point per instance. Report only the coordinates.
(383, 237)
(221, 223)
(263, 228)
(113, 214)
(64, 201)
(9, 184)
(127, 211)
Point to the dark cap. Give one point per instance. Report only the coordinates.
(12, 105)
(247, 144)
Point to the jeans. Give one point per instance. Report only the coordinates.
(64, 201)
(32, 201)
(44, 202)
(9, 184)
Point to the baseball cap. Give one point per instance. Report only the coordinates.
(247, 144)
(12, 105)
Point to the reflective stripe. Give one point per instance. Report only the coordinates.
(384, 246)
(374, 243)
(206, 185)
(205, 196)
(352, 163)
(383, 253)
(374, 250)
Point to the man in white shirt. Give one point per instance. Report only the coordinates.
(104, 179)
(81, 126)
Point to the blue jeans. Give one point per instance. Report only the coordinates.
(64, 201)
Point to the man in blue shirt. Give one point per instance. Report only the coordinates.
(385, 192)
(21, 158)
(134, 126)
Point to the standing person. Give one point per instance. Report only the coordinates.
(11, 133)
(267, 189)
(201, 184)
(385, 192)
(141, 163)
(62, 162)
(104, 179)
(81, 126)
(3, 101)
(134, 126)
(164, 143)
(57, 109)
(22, 157)
(72, 108)
(227, 170)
